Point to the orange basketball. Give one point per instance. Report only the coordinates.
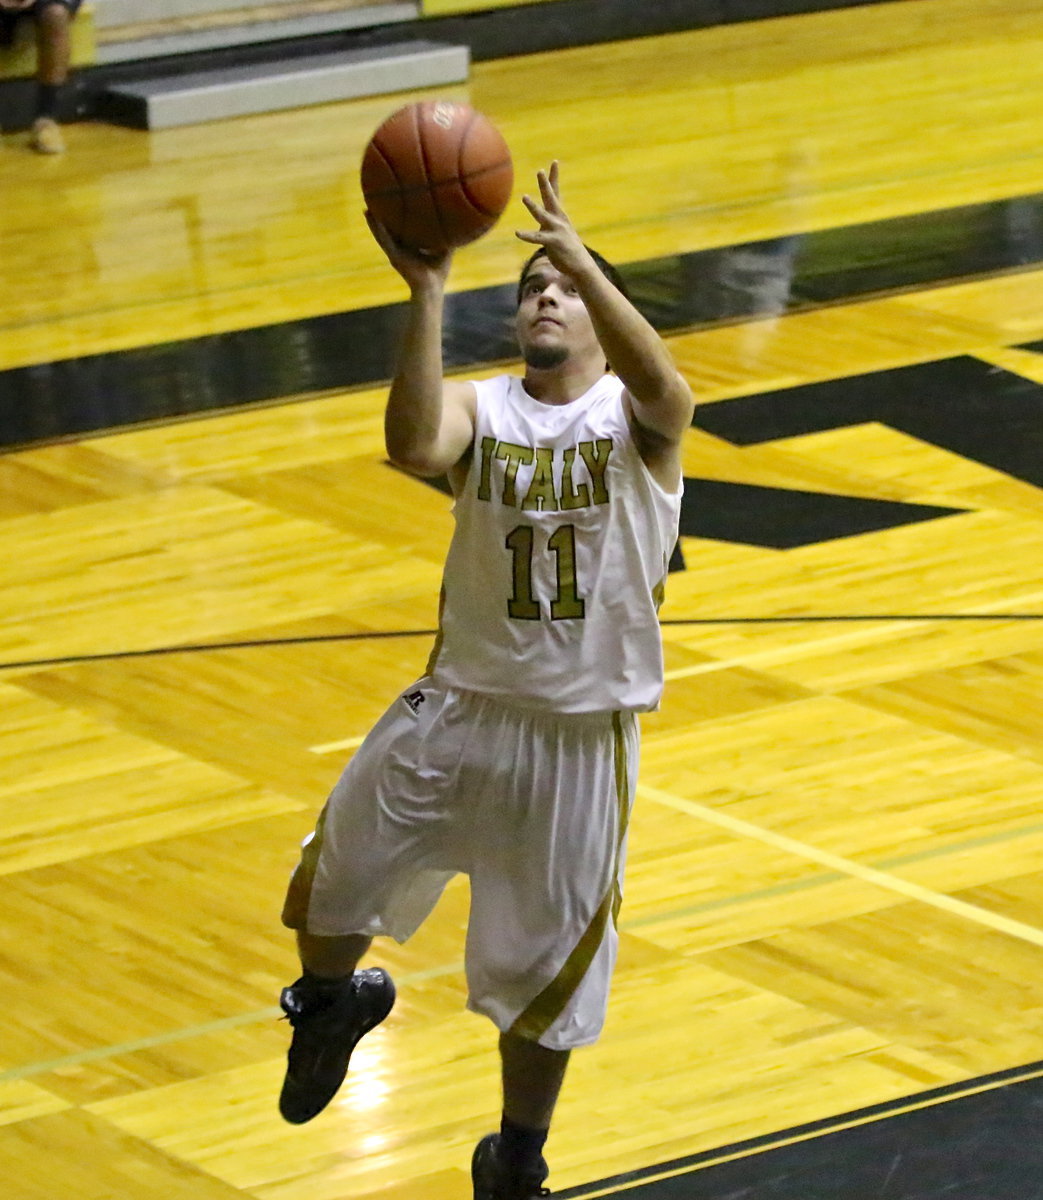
(437, 175)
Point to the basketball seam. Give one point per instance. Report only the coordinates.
(391, 167)
(462, 176)
(430, 189)
(460, 144)
(397, 190)
(488, 212)
(412, 189)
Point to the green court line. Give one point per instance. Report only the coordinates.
(191, 1031)
(267, 1014)
(145, 1043)
(824, 877)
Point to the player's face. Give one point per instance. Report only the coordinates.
(552, 322)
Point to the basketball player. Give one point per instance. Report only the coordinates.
(53, 54)
(514, 758)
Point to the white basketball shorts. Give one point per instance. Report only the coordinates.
(532, 806)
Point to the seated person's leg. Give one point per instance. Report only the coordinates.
(8, 22)
(53, 48)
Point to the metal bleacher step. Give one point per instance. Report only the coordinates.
(194, 26)
(114, 14)
(191, 99)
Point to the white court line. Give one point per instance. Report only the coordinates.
(351, 743)
(785, 654)
(796, 652)
(847, 866)
(733, 824)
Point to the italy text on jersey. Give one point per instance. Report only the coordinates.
(543, 494)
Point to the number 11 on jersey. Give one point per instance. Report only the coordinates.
(523, 605)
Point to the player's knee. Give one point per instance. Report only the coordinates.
(53, 17)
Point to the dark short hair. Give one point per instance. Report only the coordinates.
(603, 265)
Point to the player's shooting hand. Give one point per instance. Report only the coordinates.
(416, 268)
(556, 233)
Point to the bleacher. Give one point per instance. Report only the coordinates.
(153, 64)
(158, 63)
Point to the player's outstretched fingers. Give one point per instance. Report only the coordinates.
(548, 191)
(537, 211)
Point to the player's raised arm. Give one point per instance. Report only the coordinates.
(429, 421)
(661, 398)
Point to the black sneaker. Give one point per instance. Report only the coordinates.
(328, 1020)
(493, 1180)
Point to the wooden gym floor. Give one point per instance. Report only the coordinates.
(831, 981)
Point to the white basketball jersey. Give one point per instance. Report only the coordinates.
(559, 557)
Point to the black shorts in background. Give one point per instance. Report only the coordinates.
(10, 17)
(9, 20)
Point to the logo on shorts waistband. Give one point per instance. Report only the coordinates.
(414, 700)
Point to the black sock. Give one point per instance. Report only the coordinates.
(47, 100)
(324, 982)
(316, 992)
(520, 1147)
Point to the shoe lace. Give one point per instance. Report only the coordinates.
(295, 1014)
(300, 1007)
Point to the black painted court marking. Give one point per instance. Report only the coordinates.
(974, 1140)
(71, 660)
(775, 518)
(963, 405)
(796, 273)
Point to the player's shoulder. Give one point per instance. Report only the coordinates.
(497, 389)
(460, 395)
(495, 383)
(609, 398)
(611, 388)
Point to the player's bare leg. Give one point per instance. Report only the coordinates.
(532, 1078)
(331, 957)
(509, 1165)
(330, 1007)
